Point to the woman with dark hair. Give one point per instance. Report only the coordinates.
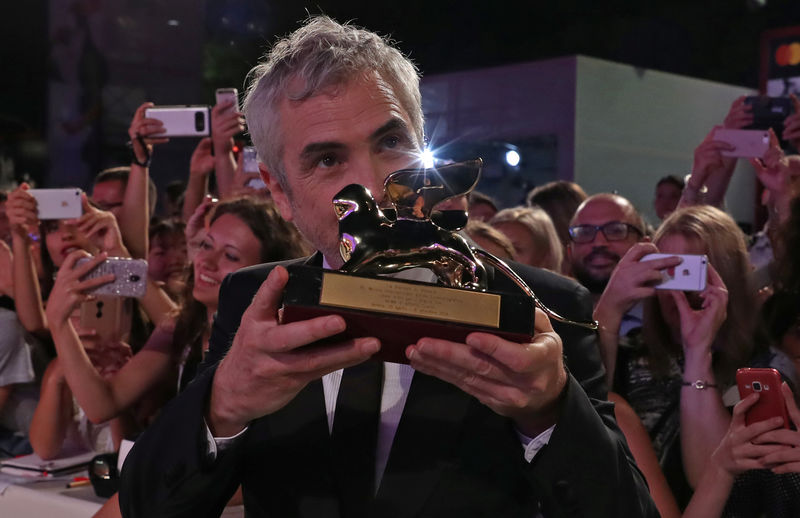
(166, 256)
(241, 232)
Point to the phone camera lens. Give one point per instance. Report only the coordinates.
(199, 122)
(134, 278)
(757, 386)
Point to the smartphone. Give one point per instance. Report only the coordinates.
(249, 159)
(769, 112)
(58, 203)
(130, 276)
(226, 95)
(109, 317)
(181, 121)
(767, 382)
(748, 143)
(690, 275)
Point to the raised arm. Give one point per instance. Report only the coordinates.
(53, 413)
(225, 123)
(135, 218)
(631, 281)
(704, 418)
(200, 167)
(100, 398)
(738, 452)
(21, 209)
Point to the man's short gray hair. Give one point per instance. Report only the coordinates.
(321, 54)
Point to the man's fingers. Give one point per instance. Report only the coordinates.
(290, 336)
(316, 361)
(266, 301)
(454, 360)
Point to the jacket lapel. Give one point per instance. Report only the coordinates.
(425, 444)
(299, 440)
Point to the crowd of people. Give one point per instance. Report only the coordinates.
(228, 404)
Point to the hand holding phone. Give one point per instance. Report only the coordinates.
(746, 143)
(767, 383)
(228, 95)
(109, 318)
(690, 275)
(181, 121)
(130, 276)
(57, 203)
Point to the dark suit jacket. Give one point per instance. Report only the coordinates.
(451, 456)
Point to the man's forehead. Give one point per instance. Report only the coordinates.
(603, 210)
(108, 187)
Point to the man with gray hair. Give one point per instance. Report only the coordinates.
(483, 428)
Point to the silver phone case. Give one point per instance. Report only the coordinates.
(130, 276)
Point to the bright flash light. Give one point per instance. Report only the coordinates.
(512, 158)
(427, 159)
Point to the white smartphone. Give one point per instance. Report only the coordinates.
(181, 121)
(58, 203)
(249, 159)
(690, 275)
(130, 276)
(228, 95)
(748, 143)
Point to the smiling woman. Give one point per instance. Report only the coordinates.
(241, 232)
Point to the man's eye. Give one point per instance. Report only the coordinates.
(392, 141)
(328, 161)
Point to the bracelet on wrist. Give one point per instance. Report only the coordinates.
(135, 159)
(699, 384)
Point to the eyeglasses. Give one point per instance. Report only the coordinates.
(613, 231)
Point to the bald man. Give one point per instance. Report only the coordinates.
(603, 229)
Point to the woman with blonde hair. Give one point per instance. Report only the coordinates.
(679, 373)
(533, 235)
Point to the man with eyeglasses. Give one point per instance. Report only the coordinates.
(604, 227)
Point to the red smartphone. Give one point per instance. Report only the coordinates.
(767, 382)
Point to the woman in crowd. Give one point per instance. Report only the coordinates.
(57, 422)
(675, 373)
(167, 256)
(241, 232)
(490, 239)
(533, 235)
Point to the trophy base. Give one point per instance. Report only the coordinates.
(400, 312)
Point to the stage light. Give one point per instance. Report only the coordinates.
(512, 158)
(427, 158)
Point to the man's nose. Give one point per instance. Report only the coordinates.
(372, 176)
(600, 238)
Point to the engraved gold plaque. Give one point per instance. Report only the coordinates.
(401, 298)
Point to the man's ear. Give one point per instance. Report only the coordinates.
(569, 252)
(279, 195)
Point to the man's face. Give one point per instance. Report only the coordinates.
(109, 196)
(667, 197)
(355, 133)
(593, 262)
